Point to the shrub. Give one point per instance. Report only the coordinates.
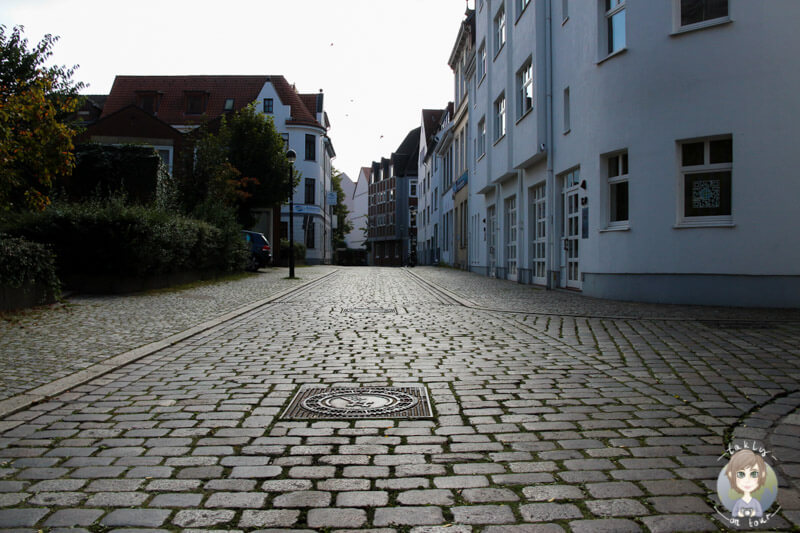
(299, 252)
(24, 263)
(130, 241)
(103, 171)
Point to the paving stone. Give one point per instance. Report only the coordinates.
(679, 504)
(678, 523)
(483, 514)
(257, 472)
(136, 517)
(307, 498)
(426, 497)
(486, 495)
(339, 517)
(251, 500)
(73, 517)
(362, 498)
(616, 507)
(57, 499)
(196, 518)
(609, 525)
(21, 517)
(553, 492)
(616, 489)
(460, 482)
(546, 512)
(116, 499)
(407, 516)
(176, 500)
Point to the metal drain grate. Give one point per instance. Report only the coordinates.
(736, 324)
(360, 402)
(369, 310)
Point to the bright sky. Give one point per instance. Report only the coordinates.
(379, 62)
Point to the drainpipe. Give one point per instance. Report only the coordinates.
(550, 179)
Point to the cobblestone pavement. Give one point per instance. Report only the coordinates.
(552, 412)
(47, 343)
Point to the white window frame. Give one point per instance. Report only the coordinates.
(482, 62)
(481, 151)
(521, 6)
(538, 232)
(500, 29)
(510, 208)
(412, 188)
(678, 29)
(500, 124)
(611, 9)
(684, 221)
(525, 85)
(567, 104)
(622, 176)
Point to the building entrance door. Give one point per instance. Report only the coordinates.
(571, 225)
(491, 229)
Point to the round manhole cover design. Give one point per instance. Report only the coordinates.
(359, 402)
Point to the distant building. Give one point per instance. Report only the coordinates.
(161, 110)
(356, 200)
(428, 209)
(393, 204)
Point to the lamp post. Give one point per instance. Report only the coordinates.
(291, 156)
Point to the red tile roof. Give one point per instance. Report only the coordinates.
(172, 89)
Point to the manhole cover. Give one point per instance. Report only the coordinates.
(360, 402)
(370, 310)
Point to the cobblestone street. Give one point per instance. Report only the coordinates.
(551, 411)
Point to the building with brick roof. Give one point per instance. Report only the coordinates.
(162, 111)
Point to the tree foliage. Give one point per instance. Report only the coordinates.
(35, 137)
(340, 211)
(243, 165)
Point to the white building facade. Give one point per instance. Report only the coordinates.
(303, 123)
(637, 150)
(356, 200)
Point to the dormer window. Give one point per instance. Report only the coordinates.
(228, 108)
(148, 101)
(195, 102)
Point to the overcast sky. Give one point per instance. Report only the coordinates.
(379, 62)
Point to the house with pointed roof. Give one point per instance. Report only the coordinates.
(357, 202)
(163, 111)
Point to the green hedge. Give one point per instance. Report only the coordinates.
(299, 252)
(24, 263)
(130, 241)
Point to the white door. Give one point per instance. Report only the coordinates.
(539, 234)
(571, 230)
(511, 238)
(491, 221)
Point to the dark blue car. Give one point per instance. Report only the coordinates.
(260, 250)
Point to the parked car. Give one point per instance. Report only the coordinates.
(260, 250)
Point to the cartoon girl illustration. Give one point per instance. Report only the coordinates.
(747, 473)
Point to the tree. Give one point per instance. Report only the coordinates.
(340, 211)
(242, 166)
(35, 135)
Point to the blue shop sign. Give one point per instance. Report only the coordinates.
(461, 181)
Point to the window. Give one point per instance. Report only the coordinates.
(310, 191)
(311, 148)
(412, 192)
(148, 101)
(481, 151)
(617, 165)
(482, 61)
(615, 23)
(698, 11)
(566, 111)
(521, 5)
(268, 106)
(310, 234)
(564, 11)
(525, 89)
(539, 233)
(499, 118)
(194, 103)
(705, 183)
(499, 30)
(228, 105)
(511, 235)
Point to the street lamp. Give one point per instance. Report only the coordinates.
(291, 156)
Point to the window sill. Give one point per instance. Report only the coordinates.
(498, 51)
(480, 82)
(503, 136)
(612, 54)
(525, 114)
(613, 229)
(519, 15)
(566, 131)
(714, 222)
(701, 26)
(480, 157)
